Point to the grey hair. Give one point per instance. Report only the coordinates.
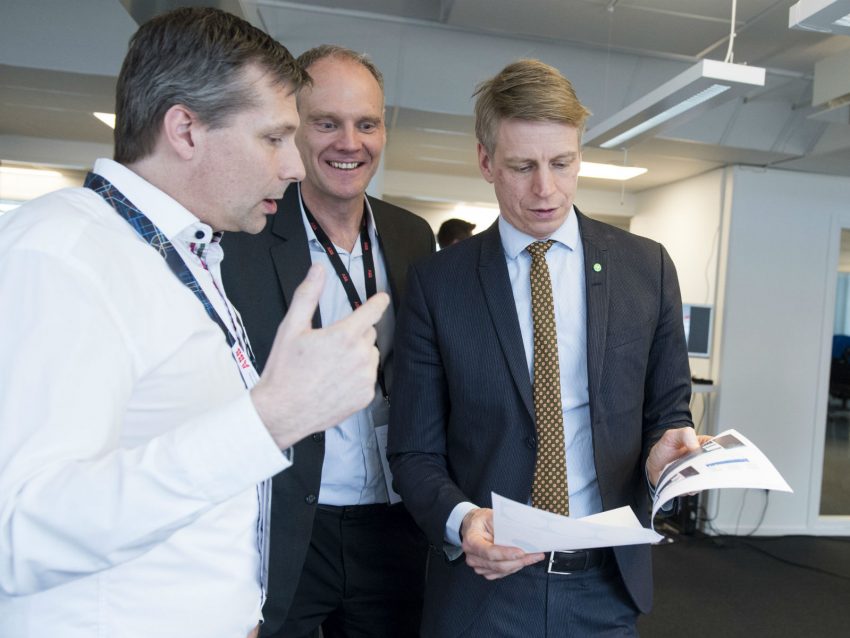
(194, 56)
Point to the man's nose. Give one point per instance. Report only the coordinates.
(291, 168)
(348, 138)
(544, 182)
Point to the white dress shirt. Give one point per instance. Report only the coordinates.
(129, 448)
(566, 269)
(352, 473)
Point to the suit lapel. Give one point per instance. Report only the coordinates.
(596, 272)
(495, 284)
(291, 254)
(393, 249)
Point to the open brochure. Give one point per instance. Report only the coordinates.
(727, 460)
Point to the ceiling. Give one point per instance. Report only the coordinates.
(58, 63)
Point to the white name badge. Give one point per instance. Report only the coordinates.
(246, 368)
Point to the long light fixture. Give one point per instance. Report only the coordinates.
(703, 86)
(22, 183)
(20, 171)
(106, 118)
(609, 171)
(825, 16)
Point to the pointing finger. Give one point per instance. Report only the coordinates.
(366, 315)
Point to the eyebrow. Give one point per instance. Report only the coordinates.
(563, 156)
(322, 115)
(326, 115)
(279, 129)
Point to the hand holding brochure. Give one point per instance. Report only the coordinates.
(727, 460)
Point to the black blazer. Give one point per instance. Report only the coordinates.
(462, 422)
(260, 274)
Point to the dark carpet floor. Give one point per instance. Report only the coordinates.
(731, 587)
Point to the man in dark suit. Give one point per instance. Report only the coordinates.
(543, 359)
(344, 554)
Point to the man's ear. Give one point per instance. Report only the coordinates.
(485, 163)
(180, 128)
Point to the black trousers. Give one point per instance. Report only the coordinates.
(363, 576)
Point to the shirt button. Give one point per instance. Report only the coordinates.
(199, 234)
(318, 436)
(531, 442)
(310, 499)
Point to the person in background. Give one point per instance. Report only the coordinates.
(344, 555)
(454, 230)
(553, 371)
(135, 435)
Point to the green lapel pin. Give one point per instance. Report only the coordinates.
(597, 267)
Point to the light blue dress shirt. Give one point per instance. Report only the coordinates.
(352, 473)
(566, 268)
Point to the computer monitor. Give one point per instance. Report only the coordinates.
(698, 321)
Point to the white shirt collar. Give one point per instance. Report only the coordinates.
(172, 218)
(515, 241)
(311, 235)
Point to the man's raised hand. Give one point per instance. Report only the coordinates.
(314, 379)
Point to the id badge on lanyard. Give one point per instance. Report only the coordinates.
(246, 367)
(149, 232)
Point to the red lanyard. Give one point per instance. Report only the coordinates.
(342, 272)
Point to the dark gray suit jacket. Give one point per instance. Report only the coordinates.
(260, 274)
(462, 423)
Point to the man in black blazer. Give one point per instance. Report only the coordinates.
(344, 554)
(466, 421)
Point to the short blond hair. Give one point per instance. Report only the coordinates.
(526, 90)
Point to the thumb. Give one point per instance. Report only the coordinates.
(679, 438)
(299, 315)
(689, 438)
(366, 315)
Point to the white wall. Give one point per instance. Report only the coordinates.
(774, 358)
(762, 246)
(686, 217)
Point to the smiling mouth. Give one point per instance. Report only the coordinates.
(345, 166)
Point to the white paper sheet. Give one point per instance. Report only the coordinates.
(533, 530)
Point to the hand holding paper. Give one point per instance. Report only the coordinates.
(488, 558)
(727, 460)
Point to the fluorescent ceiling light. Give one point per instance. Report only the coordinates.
(824, 16)
(106, 118)
(21, 183)
(703, 86)
(475, 210)
(482, 215)
(610, 171)
(31, 172)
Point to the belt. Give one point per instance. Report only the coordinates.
(356, 511)
(579, 560)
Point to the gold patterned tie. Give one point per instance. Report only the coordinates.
(549, 490)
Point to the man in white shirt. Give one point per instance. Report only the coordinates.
(135, 436)
(337, 501)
